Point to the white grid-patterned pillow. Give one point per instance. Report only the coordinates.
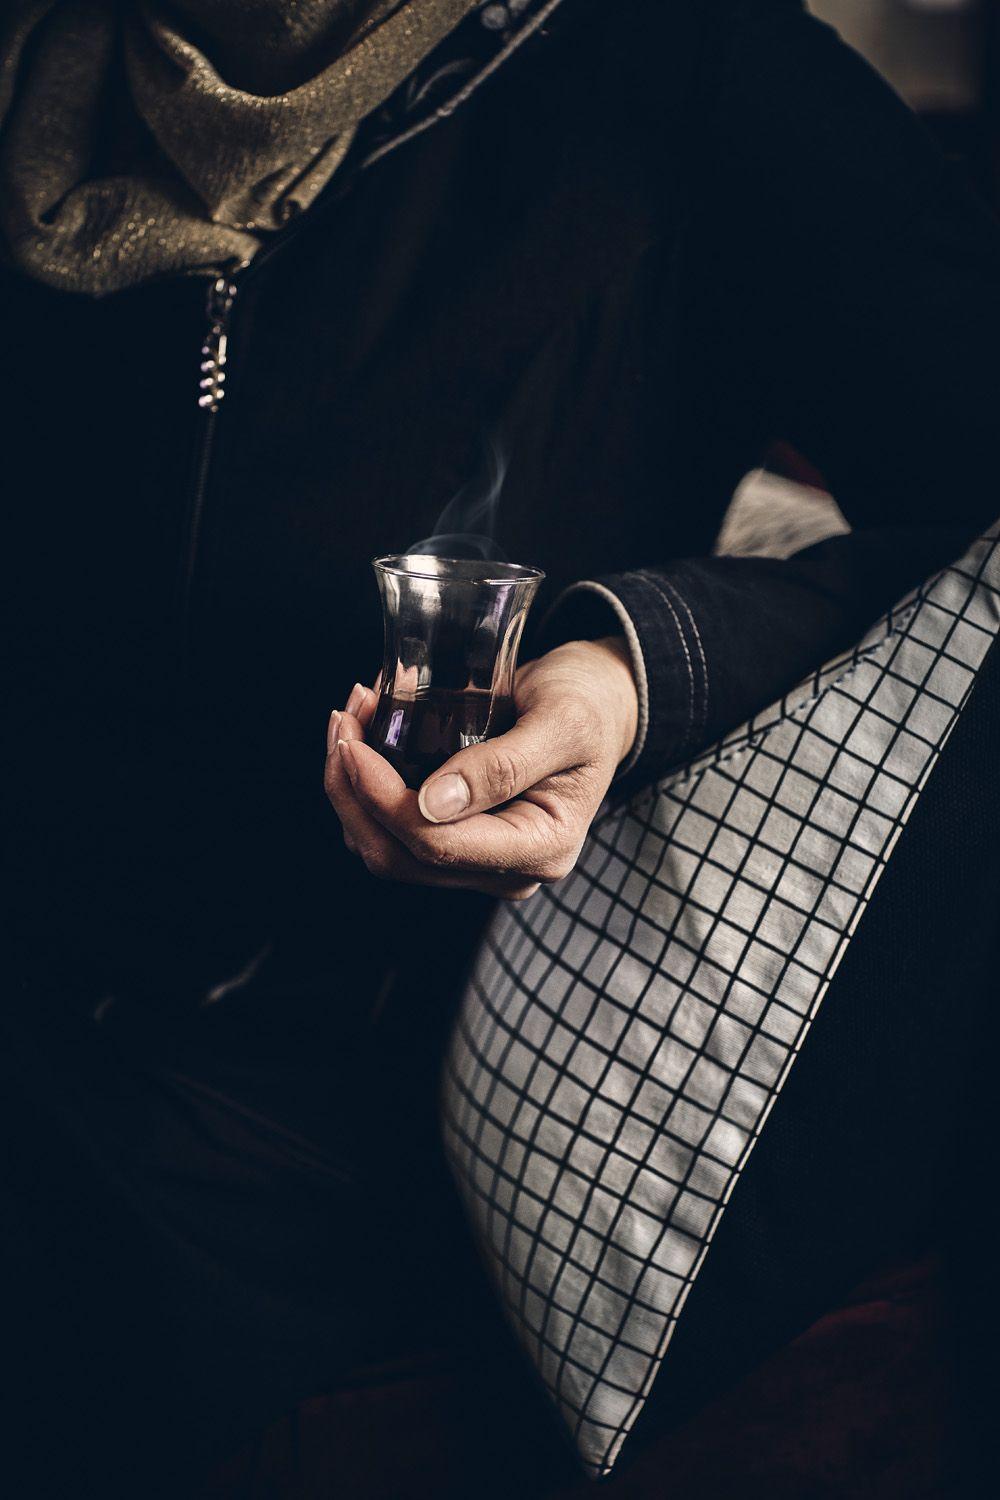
(625, 1033)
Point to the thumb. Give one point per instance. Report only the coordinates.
(492, 773)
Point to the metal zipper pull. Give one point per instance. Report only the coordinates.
(219, 306)
(211, 392)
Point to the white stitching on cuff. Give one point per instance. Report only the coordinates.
(638, 661)
(701, 651)
(666, 584)
(654, 584)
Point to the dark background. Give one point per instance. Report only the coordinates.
(943, 56)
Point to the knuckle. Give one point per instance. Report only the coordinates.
(376, 860)
(557, 867)
(523, 892)
(425, 847)
(504, 772)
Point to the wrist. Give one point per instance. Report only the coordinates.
(617, 661)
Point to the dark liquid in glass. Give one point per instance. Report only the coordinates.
(417, 735)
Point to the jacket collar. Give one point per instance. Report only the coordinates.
(446, 79)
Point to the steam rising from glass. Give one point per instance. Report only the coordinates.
(466, 526)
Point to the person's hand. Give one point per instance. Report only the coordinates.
(506, 815)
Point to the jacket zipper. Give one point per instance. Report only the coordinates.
(211, 394)
(222, 295)
(214, 351)
(219, 304)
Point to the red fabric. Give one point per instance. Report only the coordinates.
(856, 1406)
(787, 461)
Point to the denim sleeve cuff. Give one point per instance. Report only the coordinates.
(668, 661)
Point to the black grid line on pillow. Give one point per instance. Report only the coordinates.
(625, 1033)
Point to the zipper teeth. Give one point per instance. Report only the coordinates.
(211, 394)
(215, 349)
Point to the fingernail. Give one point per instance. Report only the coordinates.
(356, 701)
(347, 756)
(443, 799)
(333, 732)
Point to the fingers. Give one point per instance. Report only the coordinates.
(544, 741)
(347, 725)
(361, 703)
(523, 843)
(383, 854)
(500, 817)
(342, 727)
(376, 786)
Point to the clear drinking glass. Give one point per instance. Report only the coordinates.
(452, 630)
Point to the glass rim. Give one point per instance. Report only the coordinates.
(511, 572)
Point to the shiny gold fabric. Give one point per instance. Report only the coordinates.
(139, 140)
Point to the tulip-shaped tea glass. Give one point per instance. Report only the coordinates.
(452, 629)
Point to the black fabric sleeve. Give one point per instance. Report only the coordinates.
(715, 639)
(844, 289)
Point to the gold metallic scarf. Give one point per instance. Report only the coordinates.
(140, 140)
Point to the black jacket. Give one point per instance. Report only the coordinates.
(654, 240)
